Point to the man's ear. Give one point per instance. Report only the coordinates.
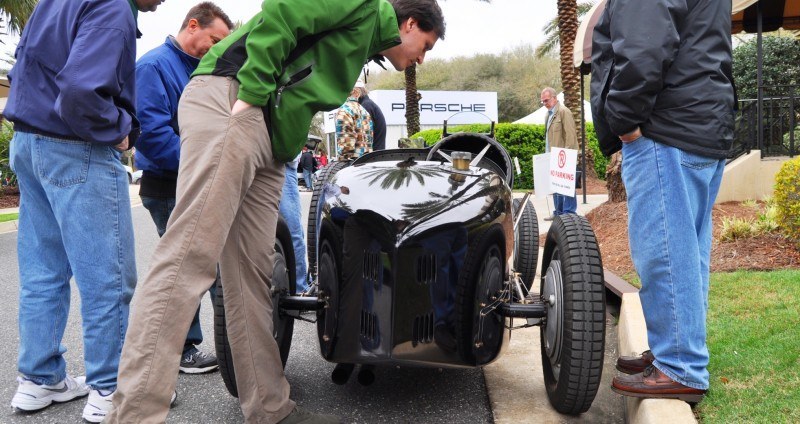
(409, 24)
(193, 25)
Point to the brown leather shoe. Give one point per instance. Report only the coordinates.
(635, 364)
(652, 383)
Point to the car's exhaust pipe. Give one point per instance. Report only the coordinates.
(342, 373)
(366, 375)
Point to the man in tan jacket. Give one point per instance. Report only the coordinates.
(560, 132)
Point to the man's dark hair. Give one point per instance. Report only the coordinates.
(426, 12)
(205, 13)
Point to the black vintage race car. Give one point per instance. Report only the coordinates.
(422, 257)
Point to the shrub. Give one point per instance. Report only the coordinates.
(522, 141)
(765, 223)
(787, 198)
(736, 228)
(6, 133)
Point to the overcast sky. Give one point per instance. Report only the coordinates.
(472, 26)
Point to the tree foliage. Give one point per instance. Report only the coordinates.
(516, 75)
(781, 59)
(15, 13)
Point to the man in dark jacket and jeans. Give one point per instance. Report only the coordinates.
(663, 93)
(309, 165)
(72, 105)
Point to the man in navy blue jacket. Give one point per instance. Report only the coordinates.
(72, 105)
(161, 75)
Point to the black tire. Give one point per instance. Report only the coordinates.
(482, 278)
(526, 243)
(325, 175)
(573, 336)
(283, 283)
(330, 265)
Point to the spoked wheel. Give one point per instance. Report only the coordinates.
(326, 174)
(479, 331)
(526, 243)
(329, 273)
(283, 284)
(573, 337)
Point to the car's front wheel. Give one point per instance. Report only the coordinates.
(573, 336)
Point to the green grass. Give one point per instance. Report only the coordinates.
(754, 341)
(9, 217)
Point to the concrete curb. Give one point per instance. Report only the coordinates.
(632, 333)
(8, 227)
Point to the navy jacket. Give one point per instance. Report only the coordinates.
(672, 77)
(74, 76)
(378, 122)
(161, 75)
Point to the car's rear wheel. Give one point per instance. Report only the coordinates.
(326, 174)
(573, 336)
(479, 332)
(283, 284)
(526, 243)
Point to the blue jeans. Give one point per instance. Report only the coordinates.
(160, 210)
(670, 196)
(74, 220)
(291, 212)
(564, 204)
(308, 177)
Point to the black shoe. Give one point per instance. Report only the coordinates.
(301, 416)
(197, 362)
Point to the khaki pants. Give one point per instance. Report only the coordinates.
(229, 187)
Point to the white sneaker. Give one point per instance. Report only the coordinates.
(98, 406)
(33, 397)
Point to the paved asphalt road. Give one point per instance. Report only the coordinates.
(398, 395)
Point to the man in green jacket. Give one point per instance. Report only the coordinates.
(246, 111)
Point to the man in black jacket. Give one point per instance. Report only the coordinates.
(309, 164)
(378, 121)
(663, 93)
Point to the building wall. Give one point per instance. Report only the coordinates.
(749, 177)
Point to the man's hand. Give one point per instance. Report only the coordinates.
(631, 136)
(123, 146)
(239, 106)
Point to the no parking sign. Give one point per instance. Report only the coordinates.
(563, 166)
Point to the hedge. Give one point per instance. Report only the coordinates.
(522, 141)
(787, 199)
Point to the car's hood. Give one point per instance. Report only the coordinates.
(412, 197)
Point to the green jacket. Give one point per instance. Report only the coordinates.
(298, 57)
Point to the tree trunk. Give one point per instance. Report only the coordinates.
(616, 189)
(412, 101)
(570, 78)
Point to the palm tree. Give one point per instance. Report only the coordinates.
(413, 97)
(551, 31)
(15, 13)
(570, 80)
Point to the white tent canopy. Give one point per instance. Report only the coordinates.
(540, 114)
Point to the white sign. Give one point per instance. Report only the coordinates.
(436, 106)
(563, 166)
(541, 175)
(329, 121)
